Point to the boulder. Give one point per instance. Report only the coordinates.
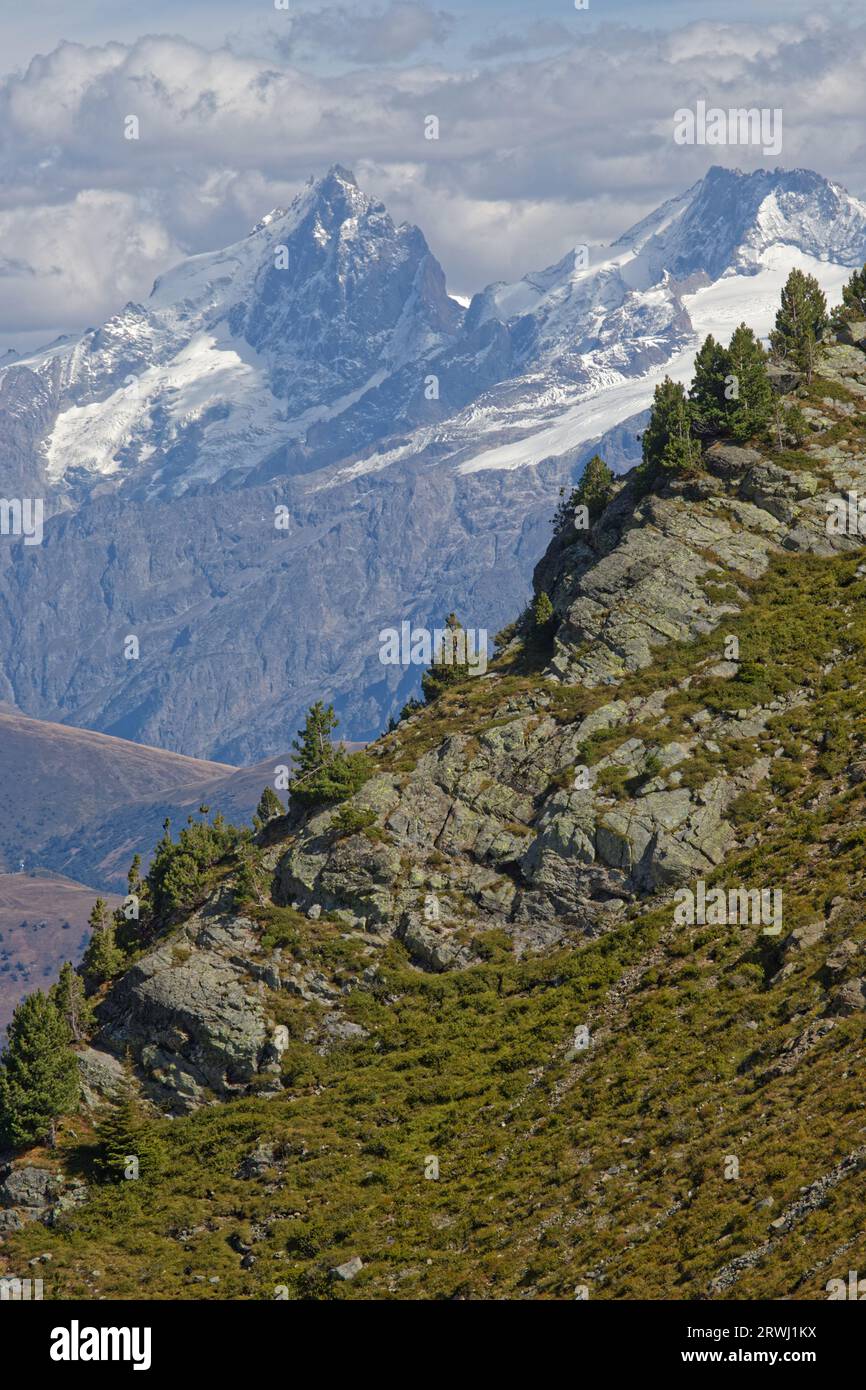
(841, 957)
(100, 1074)
(190, 1011)
(801, 938)
(850, 998)
(729, 461)
(435, 948)
(29, 1193)
(854, 333)
(257, 1163)
(30, 1187)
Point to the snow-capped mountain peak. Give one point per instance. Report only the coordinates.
(320, 361)
(237, 352)
(589, 342)
(729, 218)
(310, 341)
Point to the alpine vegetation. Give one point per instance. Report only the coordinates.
(737, 906)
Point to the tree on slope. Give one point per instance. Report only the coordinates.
(103, 958)
(667, 442)
(269, 808)
(543, 612)
(324, 772)
(800, 321)
(38, 1073)
(127, 1147)
(853, 304)
(593, 492)
(707, 392)
(69, 998)
(750, 405)
(446, 668)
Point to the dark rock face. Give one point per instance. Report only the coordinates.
(236, 619)
(350, 282)
(190, 1011)
(30, 1193)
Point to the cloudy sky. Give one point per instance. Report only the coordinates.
(555, 125)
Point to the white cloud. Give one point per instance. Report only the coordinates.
(62, 252)
(384, 35)
(534, 154)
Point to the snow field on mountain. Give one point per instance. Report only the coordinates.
(718, 309)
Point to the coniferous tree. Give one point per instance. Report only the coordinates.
(269, 807)
(667, 440)
(179, 875)
(133, 877)
(246, 885)
(594, 491)
(313, 746)
(853, 306)
(38, 1073)
(103, 958)
(788, 424)
(98, 918)
(70, 999)
(595, 486)
(136, 888)
(800, 321)
(854, 294)
(127, 1146)
(446, 667)
(707, 393)
(132, 920)
(750, 406)
(543, 612)
(325, 772)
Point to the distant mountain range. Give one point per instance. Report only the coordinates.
(417, 447)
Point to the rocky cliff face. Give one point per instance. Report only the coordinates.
(492, 812)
